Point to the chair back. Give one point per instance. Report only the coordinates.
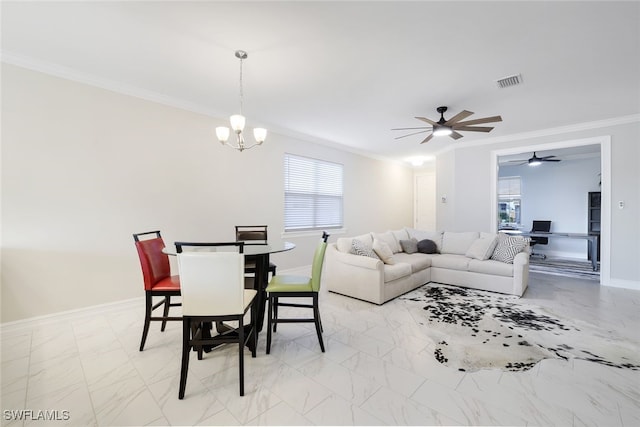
(212, 283)
(251, 232)
(316, 267)
(154, 263)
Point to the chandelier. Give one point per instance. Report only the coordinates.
(237, 122)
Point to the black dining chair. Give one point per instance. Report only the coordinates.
(253, 234)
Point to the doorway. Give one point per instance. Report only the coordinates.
(604, 143)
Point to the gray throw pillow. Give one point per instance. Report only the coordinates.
(427, 246)
(409, 246)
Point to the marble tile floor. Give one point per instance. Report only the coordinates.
(378, 370)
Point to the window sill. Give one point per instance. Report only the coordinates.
(312, 233)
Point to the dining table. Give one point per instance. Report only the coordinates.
(258, 252)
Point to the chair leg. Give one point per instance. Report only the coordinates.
(316, 317)
(165, 312)
(147, 319)
(275, 313)
(254, 332)
(241, 353)
(269, 322)
(186, 347)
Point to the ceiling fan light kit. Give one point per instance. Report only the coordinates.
(450, 127)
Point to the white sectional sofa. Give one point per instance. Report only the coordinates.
(461, 260)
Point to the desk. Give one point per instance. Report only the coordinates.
(260, 252)
(591, 239)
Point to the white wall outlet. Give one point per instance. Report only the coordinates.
(444, 199)
(621, 204)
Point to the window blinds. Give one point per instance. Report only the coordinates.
(312, 194)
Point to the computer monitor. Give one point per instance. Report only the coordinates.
(541, 226)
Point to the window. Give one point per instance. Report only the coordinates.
(312, 194)
(509, 209)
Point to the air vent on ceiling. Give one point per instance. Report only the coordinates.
(516, 79)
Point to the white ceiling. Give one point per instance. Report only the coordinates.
(348, 72)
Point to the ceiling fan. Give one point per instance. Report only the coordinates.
(535, 160)
(452, 126)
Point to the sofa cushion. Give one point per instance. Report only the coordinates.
(416, 261)
(427, 246)
(362, 249)
(344, 243)
(508, 247)
(482, 248)
(383, 251)
(409, 246)
(496, 268)
(451, 261)
(389, 239)
(457, 243)
(396, 271)
(400, 235)
(436, 236)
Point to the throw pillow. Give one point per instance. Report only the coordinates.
(359, 248)
(482, 248)
(383, 251)
(389, 239)
(508, 247)
(409, 246)
(427, 246)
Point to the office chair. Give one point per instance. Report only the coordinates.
(539, 227)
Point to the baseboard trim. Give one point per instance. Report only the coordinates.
(74, 314)
(621, 283)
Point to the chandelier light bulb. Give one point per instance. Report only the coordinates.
(260, 134)
(237, 123)
(222, 132)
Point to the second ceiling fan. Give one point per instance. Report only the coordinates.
(452, 126)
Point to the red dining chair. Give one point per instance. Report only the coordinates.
(158, 281)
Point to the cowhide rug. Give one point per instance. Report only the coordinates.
(476, 330)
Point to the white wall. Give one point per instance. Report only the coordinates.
(558, 192)
(83, 168)
(466, 172)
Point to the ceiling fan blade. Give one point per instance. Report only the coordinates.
(427, 139)
(460, 116)
(517, 161)
(546, 157)
(550, 160)
(424, 119)
(479, 121)
(474, 128)
(421, 127)
(455, 135)
(410, 134)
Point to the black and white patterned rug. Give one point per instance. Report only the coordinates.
(476, 330)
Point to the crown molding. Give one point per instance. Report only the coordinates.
(597, 124)
(67, 73)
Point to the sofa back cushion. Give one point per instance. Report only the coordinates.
(458, 243)
(400, 235)
(436, 236)
(343, 244)
(482, 248)
(389, 239)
